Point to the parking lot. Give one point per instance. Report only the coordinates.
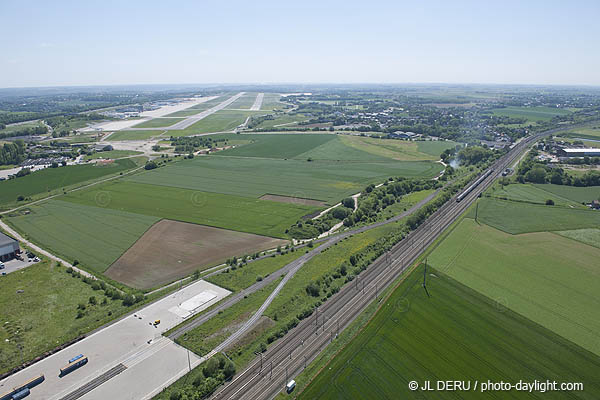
(15, 265)
(135, 343)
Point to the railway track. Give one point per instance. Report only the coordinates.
(267, 374)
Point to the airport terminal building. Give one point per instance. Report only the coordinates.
(9, 247)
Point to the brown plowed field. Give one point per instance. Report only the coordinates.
(170, 250)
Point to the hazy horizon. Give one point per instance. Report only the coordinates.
(108, 43)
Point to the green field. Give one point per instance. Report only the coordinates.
(531, 193)
(50, 179)
(221, 121)
(112, 154)
(457, 334)
(285, 120)
(244, 102)
(545, 277)
(588, 236)
(44, 315)
(328, 181)
(214, 209)
(515, 217)
(94, 236)
(577, 194)
(279, 145)
(435, 148)
(533, 114)
(271, 102)
(592, 133)
(133, 135)
(158, 123)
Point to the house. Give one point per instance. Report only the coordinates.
(9, 247)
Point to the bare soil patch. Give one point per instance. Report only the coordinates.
(170, 250)
(293, 200)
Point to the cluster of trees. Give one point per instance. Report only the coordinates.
(374, 200)
(189, 144)
(533, 171)
(12, 153)
(474, 155)
(28, 131)
(216, 370)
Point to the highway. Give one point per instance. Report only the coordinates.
(267, 374)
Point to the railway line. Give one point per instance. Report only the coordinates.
(267, 374)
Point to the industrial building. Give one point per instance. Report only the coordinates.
(9, 247)
(586, 152)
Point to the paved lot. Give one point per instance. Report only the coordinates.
(150, 366)
(15, 265)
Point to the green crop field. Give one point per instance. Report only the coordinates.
(532, 114)
(50, 179)
(398, 149)
(253, 177)
(94, 236)
(45, 313)
(278, 145)
(589, 236)
(457, 334)
(214, 209)
(531, 193)
(515, 217)
(577, 194)
(545, 277)
(133, 135)
(158, 123)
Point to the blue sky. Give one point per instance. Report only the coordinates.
(48, 43)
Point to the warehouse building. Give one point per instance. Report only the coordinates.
(9, 247)
(589, 152)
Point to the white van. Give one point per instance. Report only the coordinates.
(290, 386)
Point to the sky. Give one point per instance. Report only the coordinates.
(64, 43)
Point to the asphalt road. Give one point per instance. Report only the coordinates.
(267, 375)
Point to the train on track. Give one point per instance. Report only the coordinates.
(474, 185)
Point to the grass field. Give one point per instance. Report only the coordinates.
(171, 250)
(133, 135)
(592, 133)
(457, 334)
(531, 193)
(532, 114)
(112, 154)
(158, 123)
(284, 119)
(398, 149)
(514, 217)
(547, 278)
(45, 314)
(588, 236)
(279, 146)
(244, 102)
(577, 194)
(94, 236)
(237, 213)
(221, 121)
(329, 181)
(271, 102)
(50, 179)
(245, 276)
